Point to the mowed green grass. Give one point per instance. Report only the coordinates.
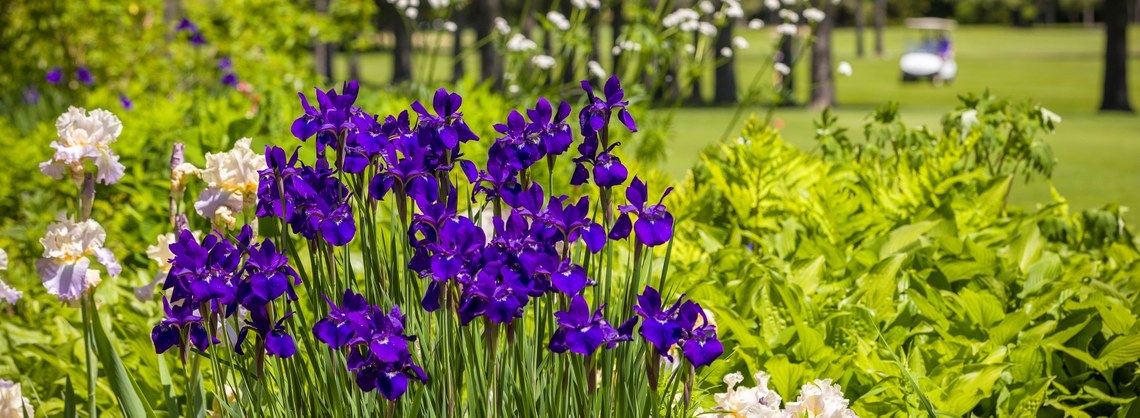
(1099, 154)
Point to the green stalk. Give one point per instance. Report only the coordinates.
(88, 306)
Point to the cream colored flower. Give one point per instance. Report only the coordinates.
(181, 174)
(85, 136)
(844, 69)
(64, 266)
(1050, 117)
(820, 399)
(235, 170)
(13, 404)
(7, 293)
(230, 176)
(748, 402)
(814, 15)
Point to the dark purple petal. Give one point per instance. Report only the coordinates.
(392, 385)
(570, 281)
(703, 353)
(595, 237)
(280, 344)
(654, 232)
(621, 228)
(627, 120)
(54, 75)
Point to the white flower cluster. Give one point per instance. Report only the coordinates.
(818, 399)
(558, 20)
(596, 69)
(450, 26)
(740, 43)
(814, 15)
(231, 178)
(755, 24)
(1049, 117)
(732, 9)
(687, 20)
(544, 62)
(13, 404)
(782, 68)
(586, 4)
(502, 26)
(85, 136)
(786, 29)
(7, 293)
(788, 15)
(519, 43)
(844, 69)
(707, 29)
(772, 4)
(64, 265)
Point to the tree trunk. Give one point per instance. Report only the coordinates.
(170, 11)
(616, 24)
(354, 64)
(822, 82)
(1115, 93)
(880, 24)
(695, 94)
(725, 85)
(490, 62)
(787, 82)
(323, 51)
(860, 23)
(1089, 15)
(402, 50)
(457, 68)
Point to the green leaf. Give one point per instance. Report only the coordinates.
(1121, 350)
(124, 388)
(905, 238)
(1043, 271)
(807, 278)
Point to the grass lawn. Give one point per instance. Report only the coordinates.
(1060, 67)
(1099, 154)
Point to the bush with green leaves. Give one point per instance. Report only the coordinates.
(893, 266)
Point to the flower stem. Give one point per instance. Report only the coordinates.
(88, 306)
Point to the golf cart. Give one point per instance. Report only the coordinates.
(932, 57)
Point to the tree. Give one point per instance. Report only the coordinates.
(1115, 92)
(880, 24)
(490, 62)
(724, 91)
(457, 65)
(822, 81)
(860, 23)
(323, 51)
(394, 19)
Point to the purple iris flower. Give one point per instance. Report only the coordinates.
(337, 330)
(31, 95)
(84, 76)
(456, 256)
(126, 102)
(596, 115)
(581, 332)
(662, 327)
(321, 207)
(229, 79)
(446, 127)
(500, 180)
(497, 294)
(654, 224)
(185, 25)
(182, 323)
(225, 63)
(202, 272)
(553, 132)
(333, 114)
(573, 221)
(268, 276)
(608, 168)
(197, 39)
(54, 75)
(701, 345)
(570, 278)
(517, 148)
(378, 349)
(277, 341)
(280, 175)
(406, 171)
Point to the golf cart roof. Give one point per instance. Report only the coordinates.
(931, 23)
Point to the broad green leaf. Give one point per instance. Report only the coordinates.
(1121, 350)
(124, 388)
(905, 238)
(808, 277)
